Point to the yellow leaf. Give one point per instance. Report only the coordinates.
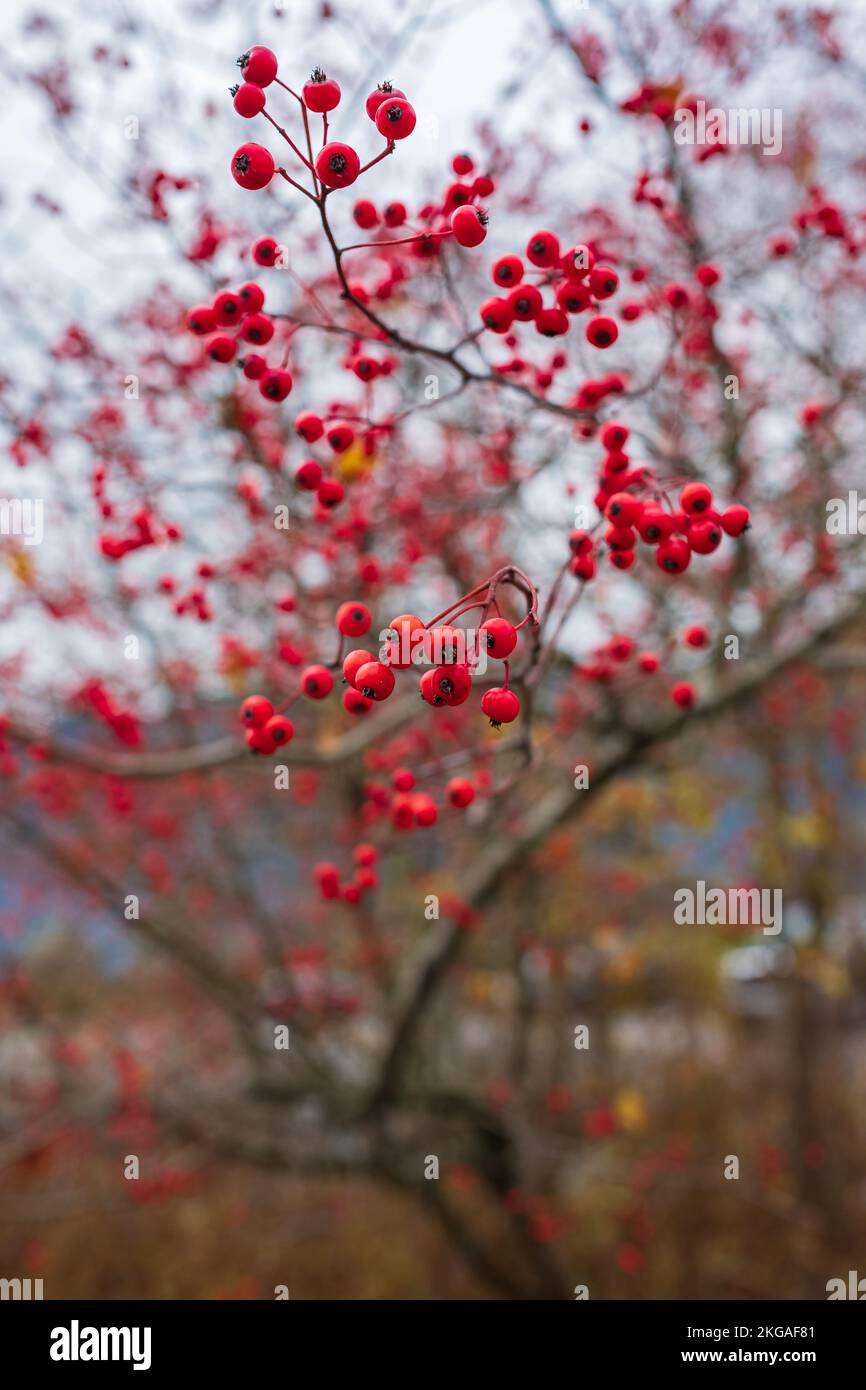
(630, 1110)
(355, 461)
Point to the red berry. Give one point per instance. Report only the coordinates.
(258, 328)
(614, 436)
(249, 100)
(735, 519)
(424, 809)
(526, 302)
(365, 855)
(252, 296)
(276, 384)
(708, 275)
(601, 332)
(404, 635)
(317, 682)
(252, 166)
(254, 366)
(353, 663)
(356, 703)
(654, 524)
(499, 637)
(572, 297)
(543, 249)
(201, 319)
(228, 309)
(309, 426)
(551, 323)
(623, 509)
(374, 680)
(337, 165)
(365, 214)
(648, 662)
(327, 878)
(577, 262)
(501, 706)
(353, 619)
(705, 537)
(460, 792)
(308, 475)
(221, 347)
(394, 215)
(330, 492)
(507, 271)
(280, 729)
(603, 281)
(462, 165)
(620, 538)
(259, 65)
(621, 559)
(375, 99)
(321, 93)
(259, 741)
(402, 779)
(695, 498)
(265, 250)
(453, 682)
(676, 295)
(444, 644)
(340, 436)
(497, 315)
(430, 690)
(583, 567)
(395, 118)
(256, 710)
(683, 694)
(696, 636)
(673, 556)
(469, 225)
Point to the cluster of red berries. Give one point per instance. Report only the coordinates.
(614, 656)
(410, 641)
(576, 282)
(457, 214)
(452, 654)
(695, 527)
(330, 885)
(241, 311)
(337, 165)
(408, 808)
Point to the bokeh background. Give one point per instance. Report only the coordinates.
(558, 1167)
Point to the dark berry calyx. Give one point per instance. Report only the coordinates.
(386, 87)
(394, 112)
(337, 162)
(242, 163)
(538, 247)
(317, 75)
(243, 60)
(233, 91)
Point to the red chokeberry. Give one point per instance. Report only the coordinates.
(501, 706)
(252, 166)
(469, 225)
(353, 619)
(337, 165)
(395, 118)
(321, 93)
(259, 66)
